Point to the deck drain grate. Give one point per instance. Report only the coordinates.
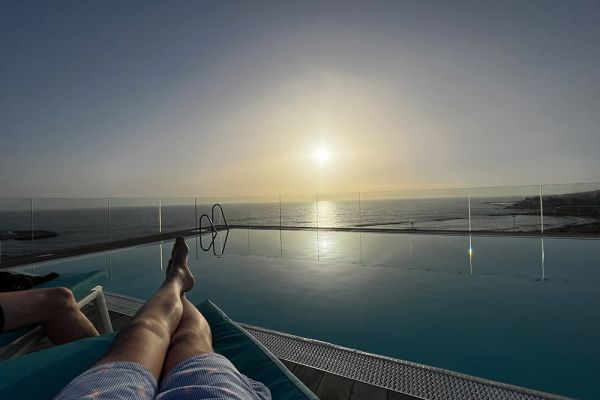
(414, 379)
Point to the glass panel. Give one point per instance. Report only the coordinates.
(133, 217)
(235, 209)
(64, 223)
(204, 206)
(440, 210)
(15, 227)
(338, 210)
(385, 210)
(571, 208)
(299, 211)
(264, 211)
(506, 209)
(177, 214)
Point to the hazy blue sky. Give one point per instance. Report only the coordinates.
(173, 98)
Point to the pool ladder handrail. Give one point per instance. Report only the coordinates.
(212, 218)
(212, 212)
(213, 246)
(214, 231)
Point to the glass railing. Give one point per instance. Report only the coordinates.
(16, 221)
(177, 214)
(42, 225)
(385, 210)
(64, 223)
(508, 209)
(133, 217)
(573, 208)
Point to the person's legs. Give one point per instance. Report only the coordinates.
(145, 340)
(193, 370)
(55, 309)
(192, 337)
(132, 366)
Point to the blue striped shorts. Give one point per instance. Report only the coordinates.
(205, 376)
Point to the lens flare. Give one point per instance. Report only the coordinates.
(322, 155)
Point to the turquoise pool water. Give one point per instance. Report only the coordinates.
(520, 311)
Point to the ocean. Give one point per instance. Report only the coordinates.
(86, 221)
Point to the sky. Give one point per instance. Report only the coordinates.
(237, 98)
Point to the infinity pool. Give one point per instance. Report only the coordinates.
(520, 310)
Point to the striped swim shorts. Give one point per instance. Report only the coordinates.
(205, 376)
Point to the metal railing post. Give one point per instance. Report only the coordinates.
(317, 209)
(32, 226)
(280, 234)
(410, 221)
(469, 202)
(541, 211)
(542, 230)
(247, 211)
(196, 212)
(108, 222)
(159, 215)
(317, 217)
(248, 221)
(359, 210)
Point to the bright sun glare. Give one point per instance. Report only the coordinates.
(322, 155)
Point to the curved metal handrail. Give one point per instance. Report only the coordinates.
(212, 212)
(222, 247)
(212, 242)
(214, 229)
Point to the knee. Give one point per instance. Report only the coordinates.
(61, 299)
(148, 325)
(193, 337)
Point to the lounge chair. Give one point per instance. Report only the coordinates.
(85, 287)
(50, 370)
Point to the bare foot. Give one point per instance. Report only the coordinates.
(178, 266)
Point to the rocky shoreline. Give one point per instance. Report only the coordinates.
(584, 204)
(27, 235)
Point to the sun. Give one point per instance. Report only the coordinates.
(322, 155)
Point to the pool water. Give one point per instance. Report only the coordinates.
(521, 310)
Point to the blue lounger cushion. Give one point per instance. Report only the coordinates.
(250, 357)
(43, 374)
(79, 283)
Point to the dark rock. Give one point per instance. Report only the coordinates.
(584, 204)
(27, 235)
